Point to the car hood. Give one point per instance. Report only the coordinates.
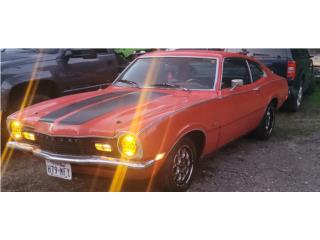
(106, 112)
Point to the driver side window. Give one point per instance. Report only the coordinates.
(234, 68)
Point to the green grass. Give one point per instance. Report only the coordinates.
(126, 51)
(314, 99)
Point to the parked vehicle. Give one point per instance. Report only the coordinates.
(165, 112)
(317, 73)
(140, 52)
(54, 73)
(293, 64)
(315, 53)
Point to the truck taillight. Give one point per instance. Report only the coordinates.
(291, 70)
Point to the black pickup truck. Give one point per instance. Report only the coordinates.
(293, 64)
(54, 73)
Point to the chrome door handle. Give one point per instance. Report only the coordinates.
(257, 89)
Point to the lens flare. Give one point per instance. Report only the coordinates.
(27, 100)
(121, 171)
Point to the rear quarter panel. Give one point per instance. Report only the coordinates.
(274, 87)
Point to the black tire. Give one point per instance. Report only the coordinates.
(177, 172)
(294, 101)
(265, 128)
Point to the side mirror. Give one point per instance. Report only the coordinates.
(236, 83)
(68, 53)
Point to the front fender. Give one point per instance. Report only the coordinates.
(162, 136)
(22, 79)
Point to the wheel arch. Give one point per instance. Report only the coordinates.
(198, 136)
(199, 139)
(275, 102)
(46, 86)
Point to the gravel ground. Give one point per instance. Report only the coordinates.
(289, 161)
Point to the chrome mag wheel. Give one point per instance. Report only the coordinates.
(183, 165)
(299, 97)
(270, 120)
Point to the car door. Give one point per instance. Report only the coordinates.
(238, 105)
(87, 69)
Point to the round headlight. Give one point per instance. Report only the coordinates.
(128, 145)
(16, 129)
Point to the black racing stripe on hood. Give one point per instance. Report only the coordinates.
(108, 106)
(51, 117)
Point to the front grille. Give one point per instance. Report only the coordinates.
(62, 145)
(73, 146)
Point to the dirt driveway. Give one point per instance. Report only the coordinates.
(289, 161)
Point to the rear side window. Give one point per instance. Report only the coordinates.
(261, 52)
(256, 71)
(234, 68)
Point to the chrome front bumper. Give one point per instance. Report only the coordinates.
(81, 160)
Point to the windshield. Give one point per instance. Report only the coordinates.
(170, 72)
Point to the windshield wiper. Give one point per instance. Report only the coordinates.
(129, 82)
(169, 85)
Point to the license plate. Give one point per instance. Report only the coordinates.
(60, 170)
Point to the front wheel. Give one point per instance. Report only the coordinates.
(177, 172)
(264, 130)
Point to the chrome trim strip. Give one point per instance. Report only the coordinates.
(249, 70)
(80, 160)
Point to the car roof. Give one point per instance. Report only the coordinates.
(193, 53)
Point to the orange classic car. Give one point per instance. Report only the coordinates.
(162, 114)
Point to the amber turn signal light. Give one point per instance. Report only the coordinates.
(103, 147)
(29, 136)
